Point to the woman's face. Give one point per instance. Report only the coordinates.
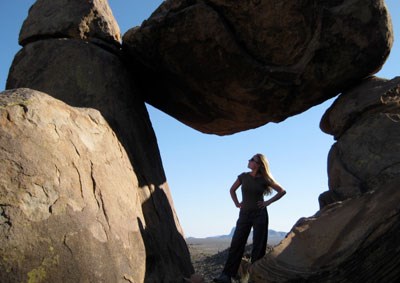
(254, 163)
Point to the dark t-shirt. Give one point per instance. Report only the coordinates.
(252, 190)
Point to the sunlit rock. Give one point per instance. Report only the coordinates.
(87, 71)
(86, 20)
(69, 198)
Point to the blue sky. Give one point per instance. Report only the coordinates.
(201, 168)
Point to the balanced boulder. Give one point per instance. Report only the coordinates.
(223, 66)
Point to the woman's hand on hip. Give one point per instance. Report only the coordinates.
(262, 204)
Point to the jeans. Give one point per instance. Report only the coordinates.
(258, 219)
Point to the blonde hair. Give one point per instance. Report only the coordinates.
(265, 172)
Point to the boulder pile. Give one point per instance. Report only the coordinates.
(83, 193)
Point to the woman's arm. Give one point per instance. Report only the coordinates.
(280, 193)
(232, 191)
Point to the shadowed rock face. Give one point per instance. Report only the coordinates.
(226, 66)
(351, 241)
(354, 237)
(366, 123)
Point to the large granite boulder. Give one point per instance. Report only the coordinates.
(69, 198)
(354, 237)
(365, 122)
(88, 20)
(87, 71)
(224, 66)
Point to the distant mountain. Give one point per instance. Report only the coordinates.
(273, 236)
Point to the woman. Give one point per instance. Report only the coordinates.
(253, 213)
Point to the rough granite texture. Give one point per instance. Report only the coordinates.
(223, 66)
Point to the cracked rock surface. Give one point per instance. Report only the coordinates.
(73, 54)
(68, 195)
(365, 121)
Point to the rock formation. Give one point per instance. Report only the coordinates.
(89, 20)
(365, 122)
(225, 66)
(77, 59)
(69, 198)
(354, 238)
(351, 241)
(80, 203)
